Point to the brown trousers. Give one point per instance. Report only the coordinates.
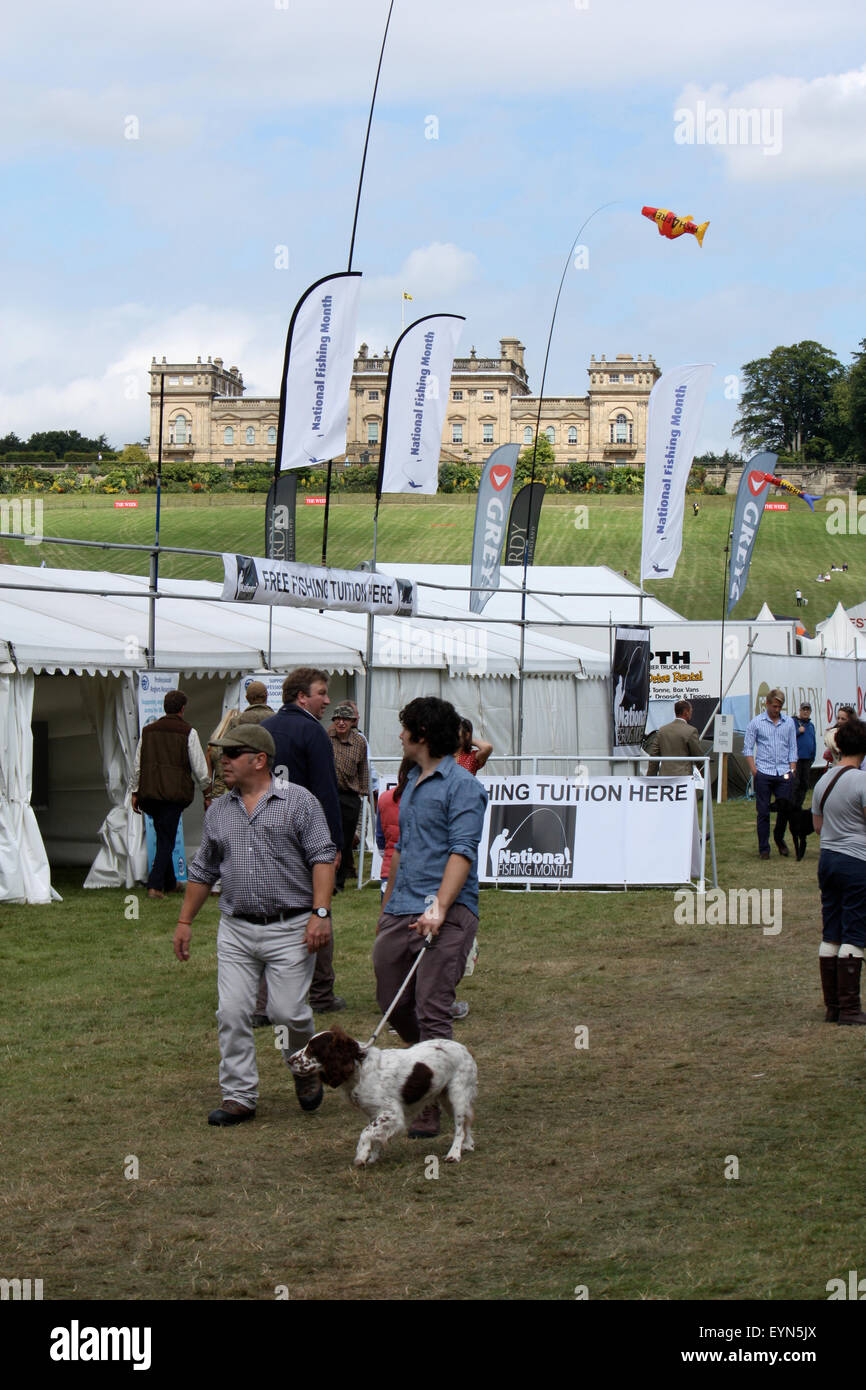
(424, 1010)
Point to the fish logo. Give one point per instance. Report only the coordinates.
(499, 477)
(757, 483)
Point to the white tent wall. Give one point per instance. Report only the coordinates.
(24, 871)
(78, 798)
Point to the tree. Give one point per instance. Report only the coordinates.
(10, 444)
(62, 442)
(857, 403)
(544, 454)
(789, 399)
(133, 453)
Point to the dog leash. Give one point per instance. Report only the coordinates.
(428, 942)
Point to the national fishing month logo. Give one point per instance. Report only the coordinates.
(531, 842)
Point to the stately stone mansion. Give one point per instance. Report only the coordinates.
(209, 419)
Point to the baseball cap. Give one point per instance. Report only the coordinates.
(248, 736)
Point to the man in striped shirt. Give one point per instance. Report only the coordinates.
(770, 749)
(269, 843)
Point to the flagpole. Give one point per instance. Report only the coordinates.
(352, 248)
(572, 245)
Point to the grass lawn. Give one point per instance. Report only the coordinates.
(602, 1166)
(793, 546)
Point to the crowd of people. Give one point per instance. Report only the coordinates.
(283, 797)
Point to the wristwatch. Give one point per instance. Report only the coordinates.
(321, 912)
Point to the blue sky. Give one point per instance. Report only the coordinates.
(248, 123)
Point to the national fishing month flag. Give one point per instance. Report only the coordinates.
(676, 405)
(317, 373)
(491, 513)
(751, 496)
(416, 399)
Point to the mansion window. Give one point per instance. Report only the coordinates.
(487, 434)
(372, 431)
(614, 377)
(174, 381)
(457, 396)
(187, 381)
(251, 434)
(572, 434)
(456, 434)
(551, 434)
(527, 435)
(372, 395)
(629, 376)
(621, 430)
(229, 435)
(179, 432)
(487, 395)
(272, 434)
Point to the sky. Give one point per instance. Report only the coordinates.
(176, 174)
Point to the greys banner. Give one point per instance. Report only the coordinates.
(491, 512)
(751, 496)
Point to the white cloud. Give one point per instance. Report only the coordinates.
(781, 128)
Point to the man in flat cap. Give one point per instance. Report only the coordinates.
(353, 782)
(269, 843)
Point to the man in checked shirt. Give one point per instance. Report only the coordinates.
(270, 844)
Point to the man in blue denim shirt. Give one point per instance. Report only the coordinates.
(770, 749)
(433, 884)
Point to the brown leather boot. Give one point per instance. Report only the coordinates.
(829, 984)
(848, 986)
(426, 1124)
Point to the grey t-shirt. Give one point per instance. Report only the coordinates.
(844, 828)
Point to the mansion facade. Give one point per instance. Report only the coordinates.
(208, 419)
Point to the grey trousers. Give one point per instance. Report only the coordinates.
(424, 1010)
(244, 952)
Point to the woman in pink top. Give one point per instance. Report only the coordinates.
(472, 753)
(388, 818)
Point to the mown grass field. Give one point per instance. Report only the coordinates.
(793, 546)
(602, 1166)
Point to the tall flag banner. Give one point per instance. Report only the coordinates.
(676, 406)
(317, 373)
(630, 686)
(280, 511)
(523, 524)
(494, 500)
(416, 399)
(751, 496)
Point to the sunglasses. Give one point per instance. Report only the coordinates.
(233, 753)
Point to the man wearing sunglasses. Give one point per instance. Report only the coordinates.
(269, 843)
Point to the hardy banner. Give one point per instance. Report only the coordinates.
(278, 582)
(317, 373)
(523, 524)
(676, 406)
(630, 683)
(751, 497)
(280, 517)
(494, 500)
(416, 399)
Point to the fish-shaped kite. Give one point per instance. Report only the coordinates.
(782, 483)
(671, 226)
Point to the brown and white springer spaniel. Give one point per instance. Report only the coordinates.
(392, 1085)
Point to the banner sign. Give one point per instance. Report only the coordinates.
(279, 582)
(523, 524)
(751, 499)
(280, 517)
(153, 686)
(416, 399)
(630, 686)
(676, 405)
(776, 507)
(494, 500)
(118, 505)
(317, 373)
(554, 831)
